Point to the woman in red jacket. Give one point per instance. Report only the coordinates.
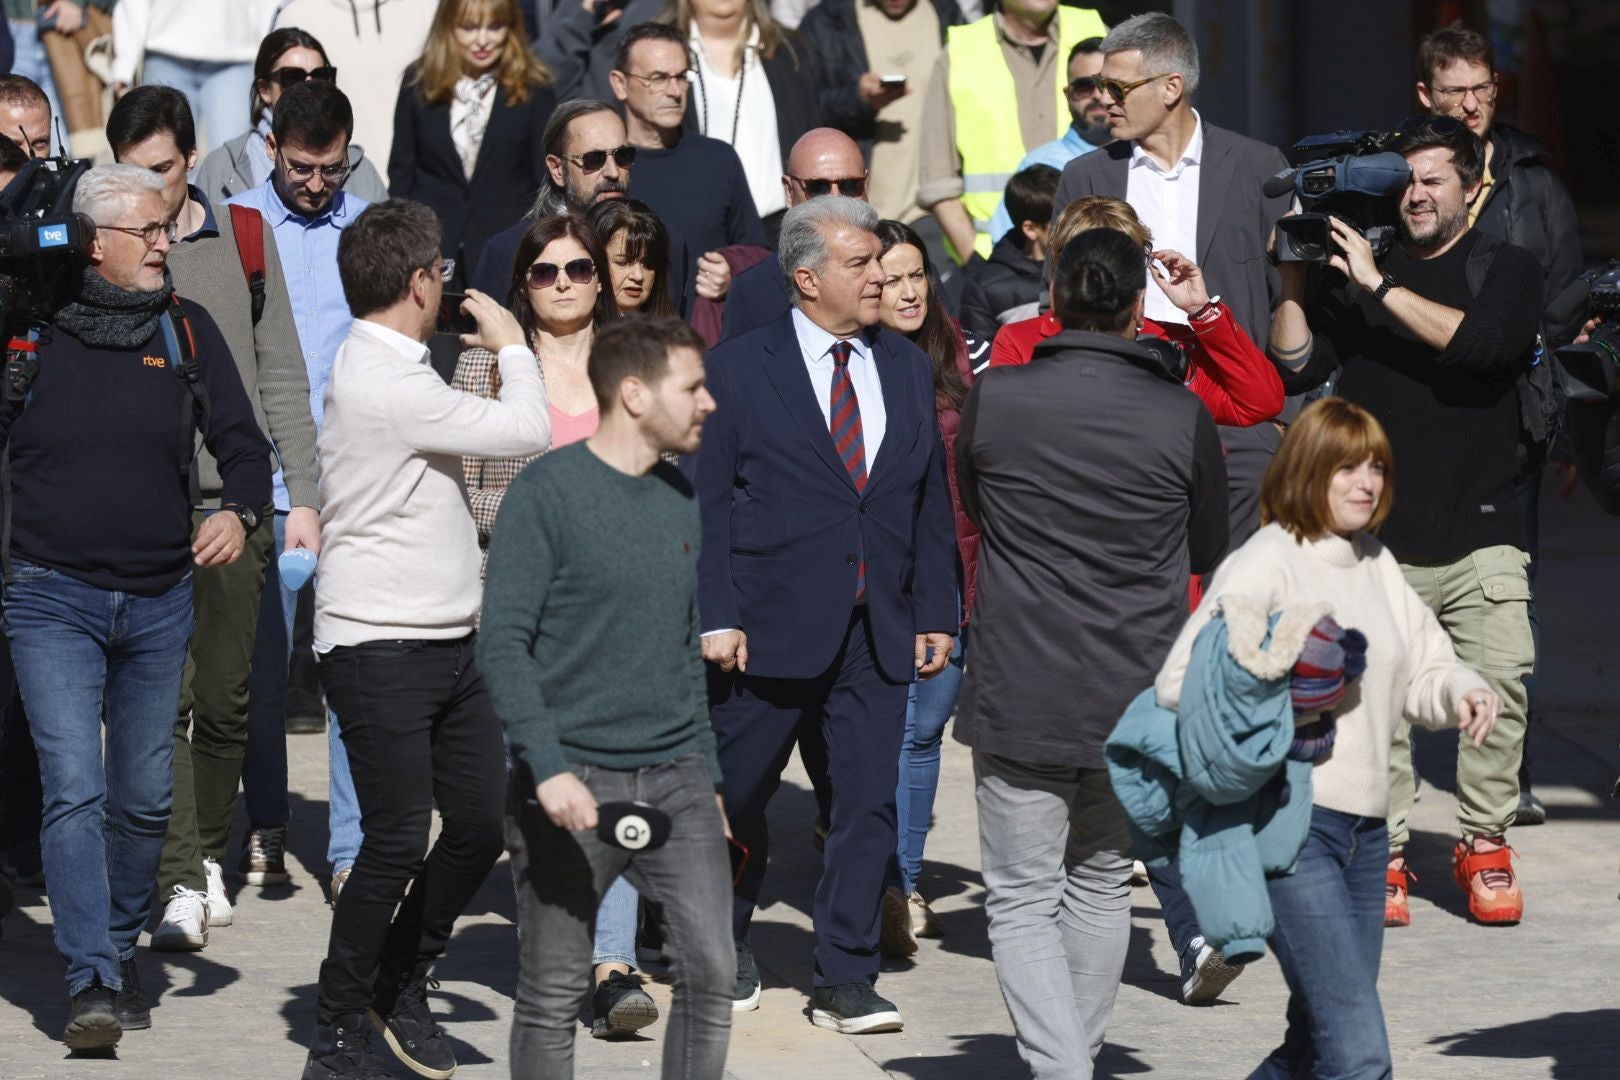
(1228, 370)
(910, 307)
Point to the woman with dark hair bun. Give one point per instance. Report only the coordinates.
(1098, 485)
(286, 58)
(637, 248)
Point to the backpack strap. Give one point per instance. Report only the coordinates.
(248, 226)
(182, 345)
(1479, 261)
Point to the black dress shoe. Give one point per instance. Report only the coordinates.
(92, 1022)
(134, 1011)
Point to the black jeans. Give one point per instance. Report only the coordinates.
(420, 730)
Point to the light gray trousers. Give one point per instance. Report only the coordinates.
(1057, 877)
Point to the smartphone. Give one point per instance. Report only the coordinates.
(739, 859)
(450, 317)
(891, 81)
(46, 19)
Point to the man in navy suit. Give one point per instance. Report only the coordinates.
(826, 581)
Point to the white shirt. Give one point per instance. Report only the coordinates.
(714, 98)
(399, 554)
(816, 345)
(1167, 203)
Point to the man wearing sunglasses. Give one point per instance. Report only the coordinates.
(997, 92)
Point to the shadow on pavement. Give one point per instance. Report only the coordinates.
(1581, 1044)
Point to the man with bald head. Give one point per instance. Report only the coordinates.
(824, 161)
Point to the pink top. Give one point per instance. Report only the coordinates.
(567, 429)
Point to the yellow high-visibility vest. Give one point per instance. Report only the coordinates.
(985, 102)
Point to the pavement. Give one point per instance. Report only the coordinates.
(1462, 1001)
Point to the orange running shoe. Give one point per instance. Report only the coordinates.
(1485, 872)
(1395, 888)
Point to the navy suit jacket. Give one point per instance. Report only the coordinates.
(782, 521)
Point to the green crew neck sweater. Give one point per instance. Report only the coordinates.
(589, 639)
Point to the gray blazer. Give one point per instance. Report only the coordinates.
(224, 172)
(1234, 218)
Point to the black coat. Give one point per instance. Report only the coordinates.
(835, 34)
(511, 167)
(1530, 208)
(1004, 288)
(1098, 485)
(794, 73)
(1594, 436)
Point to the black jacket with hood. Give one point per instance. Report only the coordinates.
(1529, 207)
(1005, 288)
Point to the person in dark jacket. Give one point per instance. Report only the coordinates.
(1098, 485)
(1594, 435)
(1008, 287)
(469, 126)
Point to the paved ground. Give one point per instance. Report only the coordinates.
(1540, 1000)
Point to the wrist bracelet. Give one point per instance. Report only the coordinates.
(1211, 308)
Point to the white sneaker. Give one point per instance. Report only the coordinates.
(185, 922)
(219, 904)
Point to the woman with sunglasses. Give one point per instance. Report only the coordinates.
(912, 308)
(755, 86)
(286, 57)
(469, 124)
(637, 248)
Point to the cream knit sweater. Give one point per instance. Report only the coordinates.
(1412, 672)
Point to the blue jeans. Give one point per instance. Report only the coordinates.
(32, 63)
(264, 768)
(217, 92)
(80, 653)
(1329, 938)
(928, 708)
(616, 925)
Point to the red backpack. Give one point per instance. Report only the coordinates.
(249, 227)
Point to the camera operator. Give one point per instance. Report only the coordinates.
(98, 605)
(1436, 362)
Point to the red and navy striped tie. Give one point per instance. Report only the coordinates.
(847, 437)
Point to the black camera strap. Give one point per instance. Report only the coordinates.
(22, 364)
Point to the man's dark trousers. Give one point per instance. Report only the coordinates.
(420, 731)
(862, 716)
(210, 733)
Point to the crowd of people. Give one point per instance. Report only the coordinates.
(656, 388)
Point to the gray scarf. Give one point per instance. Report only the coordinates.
(104, 316)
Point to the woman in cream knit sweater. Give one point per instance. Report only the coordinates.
(1328, 487)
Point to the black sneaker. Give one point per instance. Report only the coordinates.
(746, 998)
(92, 1022)
(1205, 973)
(853, 1009)
(410, 1030)
(1530, 811)
(134, 1011)
(343, 1052)
(621, 1007)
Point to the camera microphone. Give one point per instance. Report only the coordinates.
(1277, 186)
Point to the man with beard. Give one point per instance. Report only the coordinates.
(1431, 340)
(588, 159)
(1087, 131)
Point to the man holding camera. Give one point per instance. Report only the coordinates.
(98, 608)
(1431, 340)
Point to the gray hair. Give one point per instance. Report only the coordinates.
(803, 242)
(1164, 43)
(551, 200)
(106, 191)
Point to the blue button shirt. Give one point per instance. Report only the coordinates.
(1057, 153)
(308, 248)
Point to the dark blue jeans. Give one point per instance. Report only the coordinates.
(1328, 940)
(80, 653)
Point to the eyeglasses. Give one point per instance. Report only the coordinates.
(1484, 93)
(1117, 90)
(303, 174)
(659, 81)
(544, 275)
(446, 269)
(596, 160)
(148, 233)
(292, 76)
(852, 187)
(1084, 85)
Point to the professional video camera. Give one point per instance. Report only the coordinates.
(1350, 175)
(41, 242)
(1592, 368)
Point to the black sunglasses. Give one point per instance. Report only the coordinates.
(853, 188)
(595, 160)
(544, 275)
(292, 76)
(1085, 84)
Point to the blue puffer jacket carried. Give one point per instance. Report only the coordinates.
(1211, 783)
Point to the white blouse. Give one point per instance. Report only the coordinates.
(749, 126)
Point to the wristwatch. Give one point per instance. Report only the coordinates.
(1388, 283)
(248, 516)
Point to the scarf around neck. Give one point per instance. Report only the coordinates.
(104, 316)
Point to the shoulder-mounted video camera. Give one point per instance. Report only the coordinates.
(1350, 175)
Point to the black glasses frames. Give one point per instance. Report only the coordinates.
(292, 76)
(852, 187)
(596, 160)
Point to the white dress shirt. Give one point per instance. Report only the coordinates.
(1167, 203)
(816, 344)
(748, 128)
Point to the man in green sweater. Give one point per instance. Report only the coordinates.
(590, 646)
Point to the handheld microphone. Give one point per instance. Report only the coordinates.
(296, 567)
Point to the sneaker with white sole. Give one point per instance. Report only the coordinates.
(264, 856)
(219, 902)
(853, 1009)
(1205, 973)
(185, 922)
(746, 997)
